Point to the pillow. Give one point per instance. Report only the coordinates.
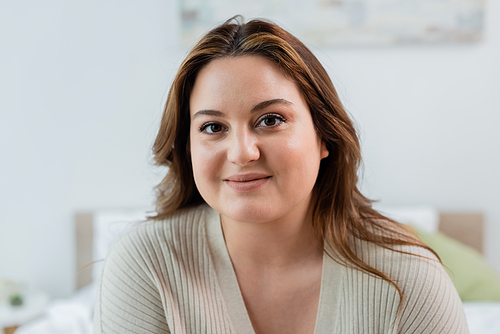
(473, 277)
(425, 218)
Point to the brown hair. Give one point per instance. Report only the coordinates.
(341, 213)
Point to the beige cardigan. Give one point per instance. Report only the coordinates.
(176, 276)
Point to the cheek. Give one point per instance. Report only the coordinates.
(206, 162)
(303, 146)
(299, 156)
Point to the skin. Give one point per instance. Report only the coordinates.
(256, 156)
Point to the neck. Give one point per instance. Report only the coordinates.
(283, 243)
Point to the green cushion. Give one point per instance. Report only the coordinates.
(473, 277)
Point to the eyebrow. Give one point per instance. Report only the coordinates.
(257, 107)
(265, 104)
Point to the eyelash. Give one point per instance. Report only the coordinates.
(272, 116)
(204, 126)
(277, 117)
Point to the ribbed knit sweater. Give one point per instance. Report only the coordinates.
(176, 276)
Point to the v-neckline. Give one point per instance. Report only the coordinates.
(329, 297)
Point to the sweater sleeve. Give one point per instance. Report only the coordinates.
(431, 302)
(128, 299)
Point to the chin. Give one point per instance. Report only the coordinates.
(246, 213)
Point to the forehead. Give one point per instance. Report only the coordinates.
(240, 82)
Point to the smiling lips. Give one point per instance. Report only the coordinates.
(246, 182)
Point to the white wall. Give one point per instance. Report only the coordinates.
(82, 85)
(429, 121)
(81, 91)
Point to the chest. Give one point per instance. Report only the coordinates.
(287, 304)
(212, 299)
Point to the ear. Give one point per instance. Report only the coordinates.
(324, 151)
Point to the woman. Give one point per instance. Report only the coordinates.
(260, 227)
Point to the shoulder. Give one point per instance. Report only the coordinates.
(182, 227)
(403, 262)
(158, 245)
(139, 266)
(430, 301)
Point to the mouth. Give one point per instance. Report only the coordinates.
(246, 182)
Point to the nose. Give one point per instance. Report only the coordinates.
(243, 147)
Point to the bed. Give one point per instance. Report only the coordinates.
(96, 232)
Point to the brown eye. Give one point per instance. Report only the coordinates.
(211, 128)
(270, 120)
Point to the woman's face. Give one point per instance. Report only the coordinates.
(254, 148)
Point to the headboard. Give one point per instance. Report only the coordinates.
(84, 228)
(465, 227)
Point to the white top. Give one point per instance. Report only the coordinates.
(176, 276)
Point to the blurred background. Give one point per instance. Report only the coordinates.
(83, 83)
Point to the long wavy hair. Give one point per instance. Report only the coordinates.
(341, 213)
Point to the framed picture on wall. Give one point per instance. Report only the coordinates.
(334, 23)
